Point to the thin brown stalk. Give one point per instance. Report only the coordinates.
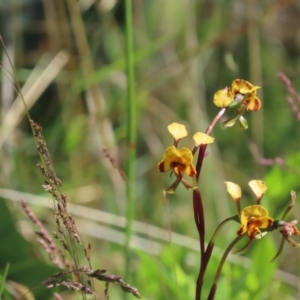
(199, 210)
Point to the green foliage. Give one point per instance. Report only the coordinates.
(3, 279)
(170, 271)
(18, 253)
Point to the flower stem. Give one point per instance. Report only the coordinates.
(213, 289)
(215, 120)
(203, 147)
(211, 243)
(199, 220)
(199, 211)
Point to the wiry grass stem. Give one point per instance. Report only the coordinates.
(131, 134)
(3, 279)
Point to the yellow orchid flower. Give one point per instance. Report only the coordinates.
(252, 219)
(178, 160)
(240, 86)
(232, 97)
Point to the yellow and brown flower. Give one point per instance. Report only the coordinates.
(242, 92)
(243, 87)
(252, 219)
(177, 160)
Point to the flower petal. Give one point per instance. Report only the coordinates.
(202, 138)
(258, 187)
(264, 222)
(162, 167)
(243, 87)
(234, 190)
(223, 98)
(177, 130)
(187, 157)
(169, 156)
(253, 103)
(257, 211)
(242, 229)
(190, 170)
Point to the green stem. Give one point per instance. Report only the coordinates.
(131, 135)
(211, 243)
(213, 289)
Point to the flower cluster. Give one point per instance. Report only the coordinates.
(180, 161)
(242, 97)
(255, 219)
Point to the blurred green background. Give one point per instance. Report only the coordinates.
(69, 58)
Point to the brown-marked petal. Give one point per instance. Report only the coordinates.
(252, 219)
(190, 170)
(243, 87)
(253, 103)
